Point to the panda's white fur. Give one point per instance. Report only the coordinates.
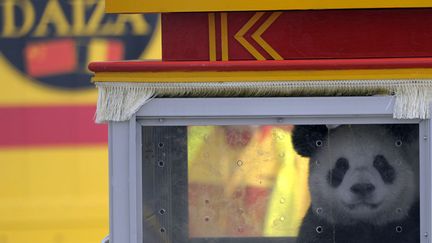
(359, 145)
(393, 198)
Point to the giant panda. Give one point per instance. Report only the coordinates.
(363, 182)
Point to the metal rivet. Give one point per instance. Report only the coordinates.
(161, 163)
(162, 230)
(282, 200)
(161, 145)
(239, 163)
(206, 218)
(319, 210)
(282, 218)
(282, 155)
(161, 120)
(279, 120)
(399, 210)
(317, 162)
(162, 211)
(398, 143)
(426, 234)
(318, 143)
(425, 138)
(399, 229)
(319, 229)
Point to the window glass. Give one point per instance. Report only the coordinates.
(291, 183)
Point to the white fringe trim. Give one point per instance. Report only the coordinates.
(118, 101)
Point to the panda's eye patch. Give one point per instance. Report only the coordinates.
(336, 175)
(342, 164)
(386, 171)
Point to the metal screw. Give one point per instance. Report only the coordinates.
(239, 163)
(399, 229)
(398, 143)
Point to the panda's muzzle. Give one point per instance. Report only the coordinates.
(363, 193)
(362, 190)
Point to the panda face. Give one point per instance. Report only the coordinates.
(362, 173)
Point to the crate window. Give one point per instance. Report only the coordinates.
(296, 183)
(291, 170)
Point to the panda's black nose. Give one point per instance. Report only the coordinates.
(363, 189)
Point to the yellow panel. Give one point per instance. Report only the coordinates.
(57, 235)
(144, 6)
(259, 76)
(54, 194)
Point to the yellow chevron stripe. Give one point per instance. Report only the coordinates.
(239, 36)
(257, 36)
(224, 36)
(212, 36)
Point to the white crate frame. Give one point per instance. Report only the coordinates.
(125, 160)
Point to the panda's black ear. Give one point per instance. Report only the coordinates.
(305, 138)
(405, 132)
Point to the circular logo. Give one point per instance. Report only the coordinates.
(52, 41)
